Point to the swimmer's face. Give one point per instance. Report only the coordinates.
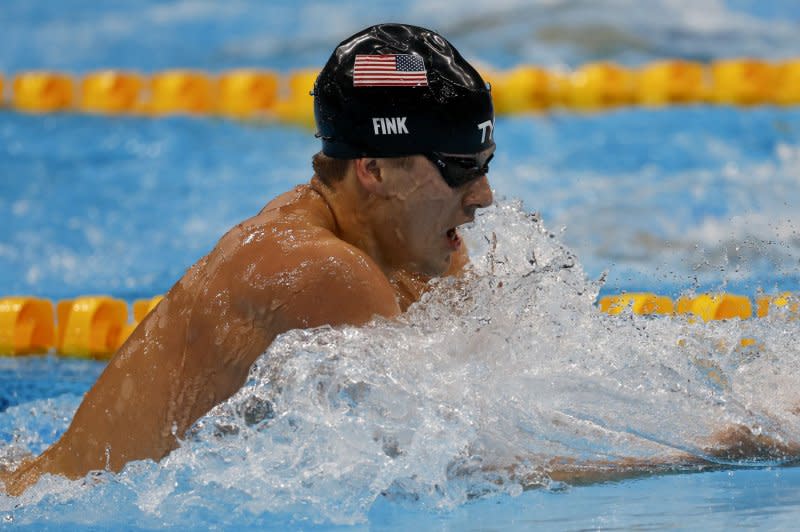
(421, 213)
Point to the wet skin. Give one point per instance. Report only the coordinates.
(315, 255)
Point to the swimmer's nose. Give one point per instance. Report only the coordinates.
(478, 195)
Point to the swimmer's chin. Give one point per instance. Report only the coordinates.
(433, 269)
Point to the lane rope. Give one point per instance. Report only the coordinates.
(96, 326)
(258, 94)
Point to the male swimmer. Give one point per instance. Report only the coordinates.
(406, 127)
(407, 134)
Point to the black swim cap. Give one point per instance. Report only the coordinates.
(393, 90)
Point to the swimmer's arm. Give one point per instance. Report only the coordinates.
(323, 282)
(342, 287)
(732, 444)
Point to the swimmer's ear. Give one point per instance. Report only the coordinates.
(368, 172)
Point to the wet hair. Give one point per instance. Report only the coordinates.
(331, 171)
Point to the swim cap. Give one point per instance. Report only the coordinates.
(393, 90)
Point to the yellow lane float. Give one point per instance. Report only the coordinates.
(90, 326)
(787, 85)
(722, 306)
(600, 86)
(716, 306)
(111, 91)
(743, 82)
(638, 302)
(254, 93)
(671, 82)
(179, 92)
(42, 92)
(520, 90)
(297, 107)
(247, 93)
(26, 325)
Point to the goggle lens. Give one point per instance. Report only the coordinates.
(459, 170)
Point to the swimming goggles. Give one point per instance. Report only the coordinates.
(458, 170)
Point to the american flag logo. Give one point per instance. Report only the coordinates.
(389, 70)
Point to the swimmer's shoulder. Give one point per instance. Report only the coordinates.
(338, 284)
(290, 254)
(290, 218)
(300, 198)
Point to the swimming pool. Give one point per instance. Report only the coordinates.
(383, 427)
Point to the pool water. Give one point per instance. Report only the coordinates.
(392, 425)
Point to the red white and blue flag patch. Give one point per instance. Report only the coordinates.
(389, 70)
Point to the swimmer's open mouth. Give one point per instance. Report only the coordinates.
(453, 238)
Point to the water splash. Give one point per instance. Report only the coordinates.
(512, 365)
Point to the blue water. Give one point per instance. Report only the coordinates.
(690, 198)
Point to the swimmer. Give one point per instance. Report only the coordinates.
(407, 135)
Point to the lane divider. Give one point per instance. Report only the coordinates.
(26, 325)
(265, 95)
(90, 326)
(85, 327)
(707, 307)
(96, 326)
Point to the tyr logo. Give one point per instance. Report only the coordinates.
(484, 126)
